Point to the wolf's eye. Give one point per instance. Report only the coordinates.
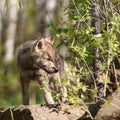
(48, 58)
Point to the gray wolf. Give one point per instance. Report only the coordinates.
(37, 60)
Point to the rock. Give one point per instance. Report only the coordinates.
(111, 109)
(40, 112)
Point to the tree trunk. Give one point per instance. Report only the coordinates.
(11, 31)
(2, 7)
(46, 15)
(96, 52)
(2, 27)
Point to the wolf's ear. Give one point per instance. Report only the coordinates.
(39, 44)
(50, 39)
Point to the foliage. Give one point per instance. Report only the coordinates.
(78, 37)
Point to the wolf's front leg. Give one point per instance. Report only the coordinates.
(46, 90)
(64, 94)
(25, 90)
(48, 96)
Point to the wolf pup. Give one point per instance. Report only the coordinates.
(37, 60)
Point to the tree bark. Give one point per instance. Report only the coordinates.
(96, 52)
(2, 10)
(11, 31)
(46, 15)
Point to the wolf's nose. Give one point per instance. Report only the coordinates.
(56, 69)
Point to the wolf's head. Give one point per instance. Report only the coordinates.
(43, 55)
